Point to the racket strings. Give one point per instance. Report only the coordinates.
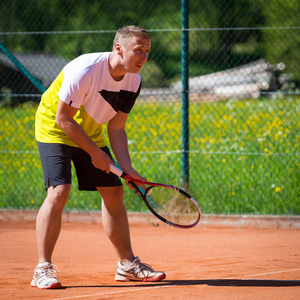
(172, 205)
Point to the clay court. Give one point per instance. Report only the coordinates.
(221, 258)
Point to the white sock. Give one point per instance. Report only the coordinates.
(127, 264)
(44, 264)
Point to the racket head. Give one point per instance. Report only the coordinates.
(171, 205)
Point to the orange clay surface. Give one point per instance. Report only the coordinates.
(205, 262)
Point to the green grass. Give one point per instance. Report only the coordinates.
(244, 156)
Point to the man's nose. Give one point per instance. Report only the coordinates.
(144, 56)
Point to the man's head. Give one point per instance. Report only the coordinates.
(131, 48)
(125, 34)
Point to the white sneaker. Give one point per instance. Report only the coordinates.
(137, 271)
(44, 277)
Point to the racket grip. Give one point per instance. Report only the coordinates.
(116, 171)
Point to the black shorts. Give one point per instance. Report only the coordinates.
(56, 161)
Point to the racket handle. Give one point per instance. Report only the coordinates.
(116, 171)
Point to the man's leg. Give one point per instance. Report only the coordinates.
(48, 223)
(115, 222)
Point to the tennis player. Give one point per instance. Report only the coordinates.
(91, 90)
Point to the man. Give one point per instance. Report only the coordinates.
(91, 90)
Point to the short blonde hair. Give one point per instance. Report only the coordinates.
(127, 32)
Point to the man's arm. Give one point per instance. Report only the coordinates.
(64, 119)
(119, 143)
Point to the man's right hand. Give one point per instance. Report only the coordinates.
(101, 160)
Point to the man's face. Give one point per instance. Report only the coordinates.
(135, 53)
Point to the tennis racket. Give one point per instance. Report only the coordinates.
(168, 203)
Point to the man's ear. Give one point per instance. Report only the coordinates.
(118, 48)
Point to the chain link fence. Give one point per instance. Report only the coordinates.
(242, 114)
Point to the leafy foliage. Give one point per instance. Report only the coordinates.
(210, 50)
(244, 156)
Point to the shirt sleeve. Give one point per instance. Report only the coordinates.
(75, 85)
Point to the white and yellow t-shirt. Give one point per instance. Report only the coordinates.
(85, 83)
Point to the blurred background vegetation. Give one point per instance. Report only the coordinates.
(211, 51)
(244, 103)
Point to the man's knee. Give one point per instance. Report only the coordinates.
(114, 193)
(58, 195)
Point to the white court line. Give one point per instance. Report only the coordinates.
(261, 274)
(172, 285)
(276, 272)
(118, 292)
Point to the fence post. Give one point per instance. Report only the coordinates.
(22, 69)
(185, 90)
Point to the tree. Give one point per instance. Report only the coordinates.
(282, 41)
(232, 16)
